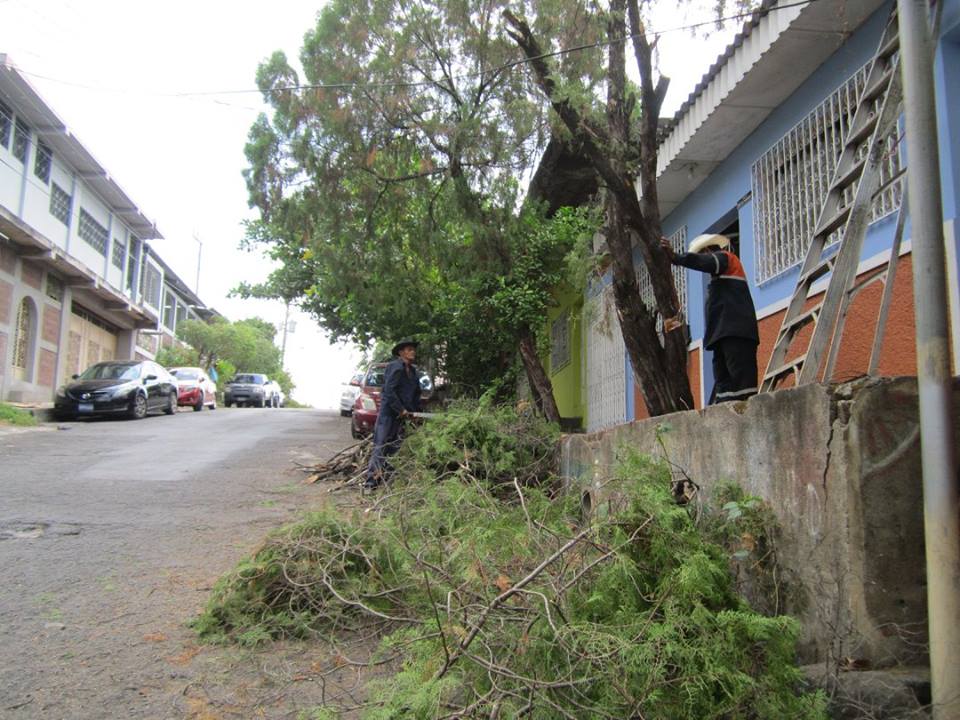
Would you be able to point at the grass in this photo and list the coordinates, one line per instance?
(10, 415)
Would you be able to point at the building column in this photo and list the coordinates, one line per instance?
(63, 348)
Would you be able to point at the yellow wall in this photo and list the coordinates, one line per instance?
(566, 379)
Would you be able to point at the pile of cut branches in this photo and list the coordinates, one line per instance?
(496, 599)
(347, 467)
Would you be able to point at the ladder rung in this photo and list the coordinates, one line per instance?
(817, 272)
(802, 319)
(890, 47)
(858, 135)
(850, 176)
(836, 221)
(878, 88)
(787, 367)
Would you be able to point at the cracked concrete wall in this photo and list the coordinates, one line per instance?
(840, 467)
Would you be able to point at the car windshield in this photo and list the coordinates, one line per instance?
(111, 371)
(375, 377)
(181, 374)
(249, 379)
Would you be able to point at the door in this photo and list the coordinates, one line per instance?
(89, 341)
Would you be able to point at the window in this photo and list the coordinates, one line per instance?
(6, 125)
(93, 233)
(133, 260)
(119, 253)
(61, 204)
(560, 342)
(152, 285)
(22, 339)
(43, 162)
(169, 310)
(54, 288)
(678, 241)
(21, 140)
(790, 180)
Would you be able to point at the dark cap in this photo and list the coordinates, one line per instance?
(406, 342)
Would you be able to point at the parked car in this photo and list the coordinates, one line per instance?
(349, 394)
(367, 405)
(248, 389)
(195, 388)
(127, 387)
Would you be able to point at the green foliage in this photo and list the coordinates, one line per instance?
(178, 356)
(15, 416)
(492, 594)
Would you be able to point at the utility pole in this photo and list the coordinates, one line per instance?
(286, 324)
(941, 502)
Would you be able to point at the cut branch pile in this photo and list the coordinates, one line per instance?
(498, 599)
(347, 467)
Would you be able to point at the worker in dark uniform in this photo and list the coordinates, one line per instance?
(400, 397)
(731, 332)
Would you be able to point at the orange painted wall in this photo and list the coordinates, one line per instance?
(898, 355)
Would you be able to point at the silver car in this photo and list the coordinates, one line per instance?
(349, 395)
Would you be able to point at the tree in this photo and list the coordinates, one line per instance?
(394, 176)
(242, 346)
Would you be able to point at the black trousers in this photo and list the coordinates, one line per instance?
(734, 369)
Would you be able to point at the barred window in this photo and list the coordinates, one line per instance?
(790, 181)
(54, 288)
(119, 253)
(133, 261)
(61, 204)
(152, 285)
(93, 233)
(21, 140)
(43, 162)
(560, 342)
(678, 241)
(169, 310)
(6, 124)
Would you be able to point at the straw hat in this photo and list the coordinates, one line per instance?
(701, 242)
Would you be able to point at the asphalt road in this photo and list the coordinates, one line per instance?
(112, 533)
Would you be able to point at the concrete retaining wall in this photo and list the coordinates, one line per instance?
(840, 467)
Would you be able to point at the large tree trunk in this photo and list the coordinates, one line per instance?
(661, 369)
(540, 384)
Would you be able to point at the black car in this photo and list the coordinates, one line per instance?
(127, 387)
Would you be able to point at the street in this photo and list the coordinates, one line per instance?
(112, 533)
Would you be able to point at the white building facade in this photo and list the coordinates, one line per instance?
(79, 282)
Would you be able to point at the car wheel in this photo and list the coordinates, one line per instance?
(213, 405)
(171, 407)
(354, 432)
(260, 403)
(345, 413)
(199, 404)
(138, 408)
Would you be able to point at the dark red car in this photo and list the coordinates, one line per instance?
(367, 405)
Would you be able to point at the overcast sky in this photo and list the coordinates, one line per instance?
(118, 73)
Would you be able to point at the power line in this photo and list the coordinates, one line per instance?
(424, 83)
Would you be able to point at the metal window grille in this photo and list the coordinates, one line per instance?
(21, 140)
(790, 181)
(43, 163)
(119, 254)
(21, 341)
(152, 286)
(6, 125)
(560, 342)
(679, 243)
(92, 232)
(61, 204)
(54, 288)
(605, 364)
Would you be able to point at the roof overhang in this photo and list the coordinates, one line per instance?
(781, 45)
(38, 249)
(54, 132)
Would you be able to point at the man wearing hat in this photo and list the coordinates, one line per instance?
(400, 397)
(731, 332)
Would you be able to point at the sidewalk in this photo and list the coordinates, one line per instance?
(43, 412)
